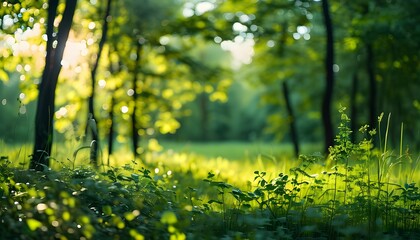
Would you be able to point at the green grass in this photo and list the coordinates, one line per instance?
(232, 150)
(214, 191)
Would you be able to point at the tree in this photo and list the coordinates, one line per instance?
(134, 121)
(91, 109)
(46, 97)
(329, 79)
(285, 87)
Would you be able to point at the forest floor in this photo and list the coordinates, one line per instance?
(212, 191)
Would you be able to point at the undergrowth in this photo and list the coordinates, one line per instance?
(359, 193)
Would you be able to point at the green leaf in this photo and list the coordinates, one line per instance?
(214, 201)
(135, 177)
(168, 217)
(107, 210)
(33, 224)
(4, 76)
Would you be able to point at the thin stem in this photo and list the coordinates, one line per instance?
(401, 138)
(386, 132)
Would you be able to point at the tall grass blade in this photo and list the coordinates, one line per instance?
(386, 133)
(401, 138)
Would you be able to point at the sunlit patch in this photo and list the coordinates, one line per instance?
(154, 145)
(90, 41)
(156, 170)
(27, 67)
(203, 7)
(244, 18)
(187, 12)
(91, 25)
(7, 21)
(124, 109)
(302, 32)
(270, 43)
(217, 39)
(167, 93)
(73, 53)
(191, 9)
(62, 112)
(242, 50)
(150, 131)
(219, 96)
(164, 40)
(102, 83)
(19, 68)
(18, 206)
(41, 207)
(302, 29)
(239, 27)
(130, 92)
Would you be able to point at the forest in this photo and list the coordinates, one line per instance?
(217, 119)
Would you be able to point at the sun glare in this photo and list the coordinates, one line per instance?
(73, 53)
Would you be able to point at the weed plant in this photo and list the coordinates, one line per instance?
(359, 192)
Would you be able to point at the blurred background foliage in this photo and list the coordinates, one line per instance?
(193, 70)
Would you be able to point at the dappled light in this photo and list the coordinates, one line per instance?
(207, 119)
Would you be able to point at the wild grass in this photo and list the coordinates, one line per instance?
(359, 192)
(241, 151)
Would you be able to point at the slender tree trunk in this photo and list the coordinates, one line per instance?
(204, 116)
(329, 85)
(292, 122)
(134, 121)
(91, 105)
(292, 119)
(113, 69)
(46, 95)
(353, 107)
(372, 85)
(111, 128)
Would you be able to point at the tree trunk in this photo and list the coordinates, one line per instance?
(91, 105)
(204, 116)
(134, 121)
(353, 107)
(292, 119)
(113, 69)
(111, 129)
(46, 94)
(372, 85)
(329, 85)
(292, 122)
